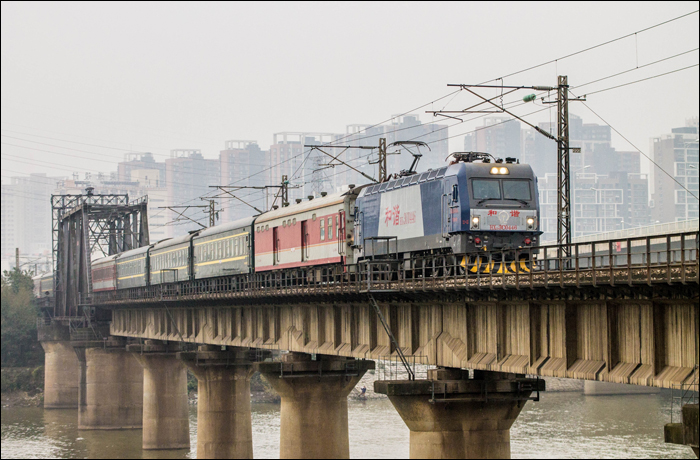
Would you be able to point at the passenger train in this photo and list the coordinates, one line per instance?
(472, 205)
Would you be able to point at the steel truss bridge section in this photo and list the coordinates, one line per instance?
(86, 224)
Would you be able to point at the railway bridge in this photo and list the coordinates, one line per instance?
(618, 310)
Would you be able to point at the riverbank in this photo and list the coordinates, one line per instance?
(22, 386)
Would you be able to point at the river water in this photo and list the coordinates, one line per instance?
(560, 425)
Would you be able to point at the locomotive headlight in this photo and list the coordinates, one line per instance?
(503, 170)
(475, 222)
(494, 170)
(530, 222)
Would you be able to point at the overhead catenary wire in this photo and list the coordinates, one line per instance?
(514, 73)
(640, 151)
(643, 79)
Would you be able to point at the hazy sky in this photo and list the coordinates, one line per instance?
(160, 76)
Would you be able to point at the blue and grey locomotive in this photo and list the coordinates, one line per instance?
(473, 205)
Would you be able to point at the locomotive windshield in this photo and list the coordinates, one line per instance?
(486, 189)
(516, 189)
(506, 189)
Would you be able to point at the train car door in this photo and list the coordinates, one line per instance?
(304, 240)
(450, 214)
(275, 247)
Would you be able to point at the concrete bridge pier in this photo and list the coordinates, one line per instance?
(224, 426)
(452, 416)
(61, 368)
(314, 408)
(111, 386)
(166, 423)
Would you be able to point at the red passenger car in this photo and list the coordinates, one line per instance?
(104, 274)
(315, 232)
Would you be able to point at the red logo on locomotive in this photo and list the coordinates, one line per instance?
(393, 215)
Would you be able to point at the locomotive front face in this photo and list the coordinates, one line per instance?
(503, 206)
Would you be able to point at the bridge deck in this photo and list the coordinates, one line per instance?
(649, 261)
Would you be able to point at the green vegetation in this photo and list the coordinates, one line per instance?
(29, 379)
(20, 347)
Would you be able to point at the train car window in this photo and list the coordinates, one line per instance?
(423, 177)
(383, 186)
(330, 228)
(323, 237)
(267, 227)
(432, 174)
(455, 194)
(517, 189)
(441, 173)
(414, 178)
(483, 189)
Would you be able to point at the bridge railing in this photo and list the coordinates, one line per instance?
(645, 260)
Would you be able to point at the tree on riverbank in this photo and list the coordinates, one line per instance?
(20, 347)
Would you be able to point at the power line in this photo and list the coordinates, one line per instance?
(638, 150)
(596, 46)
(635, 68)
(643, 79)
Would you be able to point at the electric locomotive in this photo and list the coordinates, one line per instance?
(472, 206)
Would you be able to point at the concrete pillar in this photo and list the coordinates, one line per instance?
(61, 367)
(224, 427)
(61, 376)
(111, 388)
(166, 423)
(314, 406)
(456, 417)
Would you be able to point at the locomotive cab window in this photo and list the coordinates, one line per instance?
(517, 189)
(484, 189)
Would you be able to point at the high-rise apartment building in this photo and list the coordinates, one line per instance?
(141, 161)
(677, 154)
(26, 214)
(407, 128)
(304, 167)
(243, 164)
(600, 203)
(188, 176)
(499, 136)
